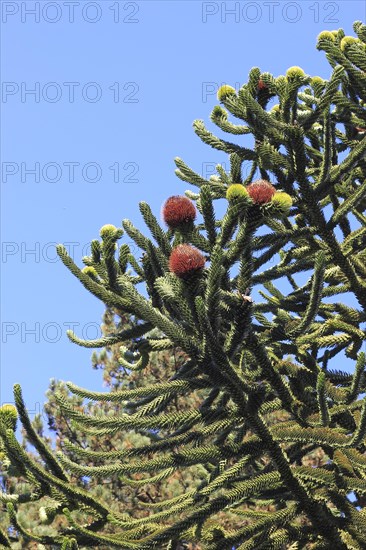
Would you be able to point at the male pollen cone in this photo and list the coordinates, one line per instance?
(261, 191)
(186, 260)
(178, 210)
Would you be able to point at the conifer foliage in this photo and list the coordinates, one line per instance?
(300, 225)
(114, 490)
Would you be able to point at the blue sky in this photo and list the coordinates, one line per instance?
(116, 87)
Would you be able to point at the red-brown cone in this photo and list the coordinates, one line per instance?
(178, 211)
(186, 260)
(261, 191)
(261, 84)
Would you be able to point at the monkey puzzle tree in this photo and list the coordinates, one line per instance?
(249, 363)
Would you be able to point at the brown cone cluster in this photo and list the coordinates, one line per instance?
(261, 191)
(186, 260)
(178, 211)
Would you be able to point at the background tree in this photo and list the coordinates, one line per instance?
(244, 361)
(160, 367)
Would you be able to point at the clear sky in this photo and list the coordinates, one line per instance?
(97, 100)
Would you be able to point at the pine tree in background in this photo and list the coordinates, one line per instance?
(264, 379)
(160, 367)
